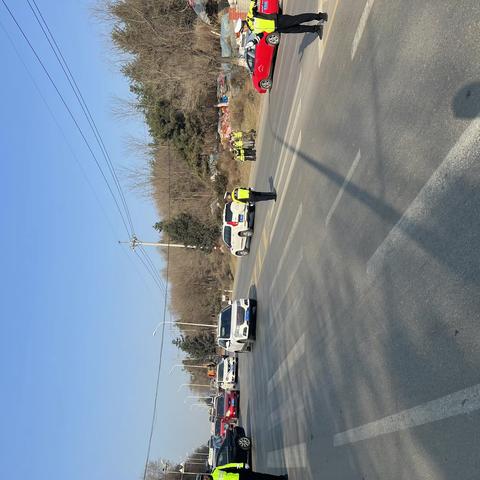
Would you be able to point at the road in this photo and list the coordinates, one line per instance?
(366, 269)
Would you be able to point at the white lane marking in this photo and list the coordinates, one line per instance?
(458, 403)
(295, 354)
(281, 415)
(283, 193)
(361, 26)
(286, 249)
(322, 44)
(342, 189)
(285, 152)
(293, 103)
(459, 159)
(290, 279)
(294, 456)
(290, 313)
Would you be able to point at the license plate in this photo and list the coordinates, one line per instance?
(240, 218)
(264, 6)
(247, 315)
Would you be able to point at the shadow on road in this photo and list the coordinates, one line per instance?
(307, 40)
(466, 103)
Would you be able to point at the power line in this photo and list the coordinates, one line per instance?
(153, 273)
(81, 100)
(148, 264)
(70, 113)
(152, 265)
(71, 149)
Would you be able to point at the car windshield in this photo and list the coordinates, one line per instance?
(220, 406)
(225, 322)
(228, 215)
(227, 236)
(220, 370)
(240, 315)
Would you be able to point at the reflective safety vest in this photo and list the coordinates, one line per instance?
(240, 155)
(249, 19)
(261, 25)
(238, 143)
(219, 474)
(237, 135)
(241, 195)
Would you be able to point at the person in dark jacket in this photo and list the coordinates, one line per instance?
(261, 23)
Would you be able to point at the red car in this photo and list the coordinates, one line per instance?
(260, 58)
(231, 405)
(226, 411)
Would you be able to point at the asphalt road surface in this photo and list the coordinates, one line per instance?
(367, 268)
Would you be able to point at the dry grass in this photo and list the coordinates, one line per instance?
(245, 102)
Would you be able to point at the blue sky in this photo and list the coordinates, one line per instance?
(77, 357)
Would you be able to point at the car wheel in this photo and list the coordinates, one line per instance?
(246, 233)
(266, 83)
(273, 38)
(241, 253)
(244, 443)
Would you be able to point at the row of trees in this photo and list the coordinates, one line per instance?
(171, 60)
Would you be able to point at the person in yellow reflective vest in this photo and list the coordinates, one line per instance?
(248, 195)
(239, 154)
(260, 23)
(239, 471)
(242, 140)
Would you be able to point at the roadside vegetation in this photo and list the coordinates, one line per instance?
(172, 61)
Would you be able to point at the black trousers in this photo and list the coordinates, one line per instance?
(293, 23)
(262, 197)
(249, 475)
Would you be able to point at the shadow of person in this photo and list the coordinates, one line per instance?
(252, 292)
(307, 40)
(466, 103)
(271, 184)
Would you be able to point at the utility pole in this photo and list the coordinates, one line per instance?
(187, 365)
(209, 325)
(209, 385)
(135, 242)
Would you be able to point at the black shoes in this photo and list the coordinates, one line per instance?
(319, 31)
(323, 16)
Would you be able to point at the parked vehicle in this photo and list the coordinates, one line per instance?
(232, 400)
(237, 325)
(227, 374)
(225, 412)
(260, 54)
(237, 227)
(235, 448)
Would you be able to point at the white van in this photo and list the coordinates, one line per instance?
(236, 325)
(227, 374)
(237, 229)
